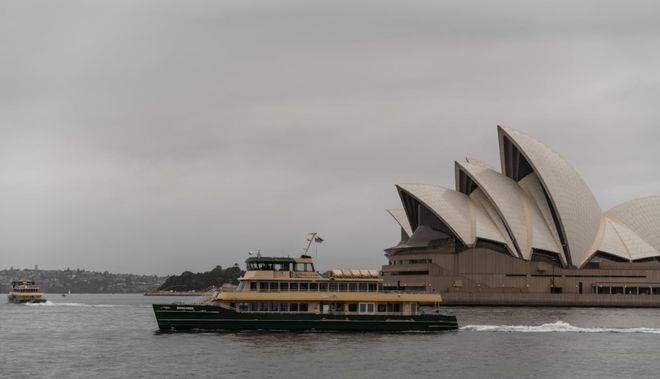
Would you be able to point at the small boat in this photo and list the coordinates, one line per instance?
(25, 291)
(283, 293)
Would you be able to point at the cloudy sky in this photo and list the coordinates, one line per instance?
(160, 136)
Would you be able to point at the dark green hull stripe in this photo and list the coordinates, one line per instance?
(215, 318)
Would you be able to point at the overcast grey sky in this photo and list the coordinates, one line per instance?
(160, 136)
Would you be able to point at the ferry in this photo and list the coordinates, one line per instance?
(284, 293)
(25, 292)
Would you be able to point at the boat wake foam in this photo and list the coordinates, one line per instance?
(49, 303)
(555, 327)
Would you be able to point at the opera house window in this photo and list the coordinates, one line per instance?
(627, 290)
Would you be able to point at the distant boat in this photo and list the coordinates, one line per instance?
(25, 291)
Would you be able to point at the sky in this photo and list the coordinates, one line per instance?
(163, 136)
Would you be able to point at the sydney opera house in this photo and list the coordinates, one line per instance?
(527, 233)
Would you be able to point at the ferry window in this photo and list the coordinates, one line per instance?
(382, 308)
(284, 286)
(617, 290)
(352, 307)
(413, 308)
(324, 287)
(631, 290)
(293, 287)
(370, 307)
(342, 286)
(303, 267)
(353, 287)
(333, 287)
(644, 290)
(274, 307)
(304, 286)
(263, 286)
(656, 290)
(303, 307)
(293, 307)
(263, 307)
(394, 307)
(313, 286)
(284, 307)
(243, 307)
(372, 287)
(364, 287)
(273, 286)
(254, 307)
(603, 290)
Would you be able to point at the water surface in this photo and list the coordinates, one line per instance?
(116, 336)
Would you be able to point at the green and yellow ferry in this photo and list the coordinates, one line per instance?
(283, 293)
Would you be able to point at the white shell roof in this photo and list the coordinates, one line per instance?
(499, 207)
(508, 200)
(531, 185)
(522, 216)
(611, 242)
(642, 216)
(577, 210)
(452, 207)
(489, 224)
(465, 216)
(542, 237)
(401, 218)
(637, 247)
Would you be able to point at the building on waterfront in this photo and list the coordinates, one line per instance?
(529, 229)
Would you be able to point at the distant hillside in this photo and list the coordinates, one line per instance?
(81, 281)
(201, 281)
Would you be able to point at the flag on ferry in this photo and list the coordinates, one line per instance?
(318, 239)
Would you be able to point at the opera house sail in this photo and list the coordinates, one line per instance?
(527, 233)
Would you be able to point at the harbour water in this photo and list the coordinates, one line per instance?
(116, 336)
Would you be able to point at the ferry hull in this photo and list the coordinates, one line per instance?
(15, 300)
(207, 317)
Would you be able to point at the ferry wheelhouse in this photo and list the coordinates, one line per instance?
(283, 293)
(25, 292)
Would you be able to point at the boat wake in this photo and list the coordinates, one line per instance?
(49, 303)
(555, 327)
